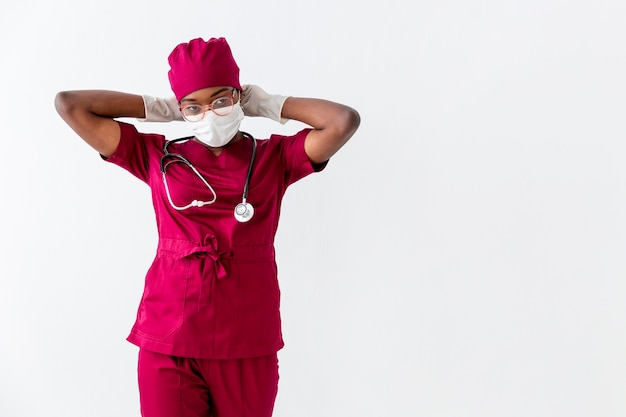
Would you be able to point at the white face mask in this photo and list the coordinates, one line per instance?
(217, 131)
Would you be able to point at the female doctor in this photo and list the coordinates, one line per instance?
(208, 324)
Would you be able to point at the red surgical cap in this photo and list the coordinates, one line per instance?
(198, 64)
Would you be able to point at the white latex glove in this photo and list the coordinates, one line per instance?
(256, 102)
(161, 109)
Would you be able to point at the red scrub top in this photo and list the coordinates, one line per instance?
(212, 290)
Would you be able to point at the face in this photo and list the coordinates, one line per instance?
(219, 100)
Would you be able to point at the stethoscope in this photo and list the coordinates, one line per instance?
(243, 211)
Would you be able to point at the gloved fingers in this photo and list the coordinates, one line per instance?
(257, 102)
(160, 109)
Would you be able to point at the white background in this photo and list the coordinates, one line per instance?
(463, 255)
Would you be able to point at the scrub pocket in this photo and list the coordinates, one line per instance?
(162, 306)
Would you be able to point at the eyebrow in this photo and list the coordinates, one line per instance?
(212, 95)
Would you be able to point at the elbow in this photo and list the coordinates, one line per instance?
(63, 103)
(69, 106)
(354, 120)
(350, 122)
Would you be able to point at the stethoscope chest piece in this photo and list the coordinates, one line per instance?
(244, 212)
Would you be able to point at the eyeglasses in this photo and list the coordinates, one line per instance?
(221, 106)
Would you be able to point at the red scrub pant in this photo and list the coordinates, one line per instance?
(171, 386)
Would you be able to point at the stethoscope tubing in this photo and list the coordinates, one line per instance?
(243, 211)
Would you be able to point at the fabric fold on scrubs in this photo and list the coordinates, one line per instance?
(212, 290)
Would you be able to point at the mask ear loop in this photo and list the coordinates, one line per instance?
(240, 103)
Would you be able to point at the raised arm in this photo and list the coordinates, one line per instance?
(91, 113)
(333, 123)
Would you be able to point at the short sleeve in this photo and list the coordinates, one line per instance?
(135, 151)
(297, 163)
